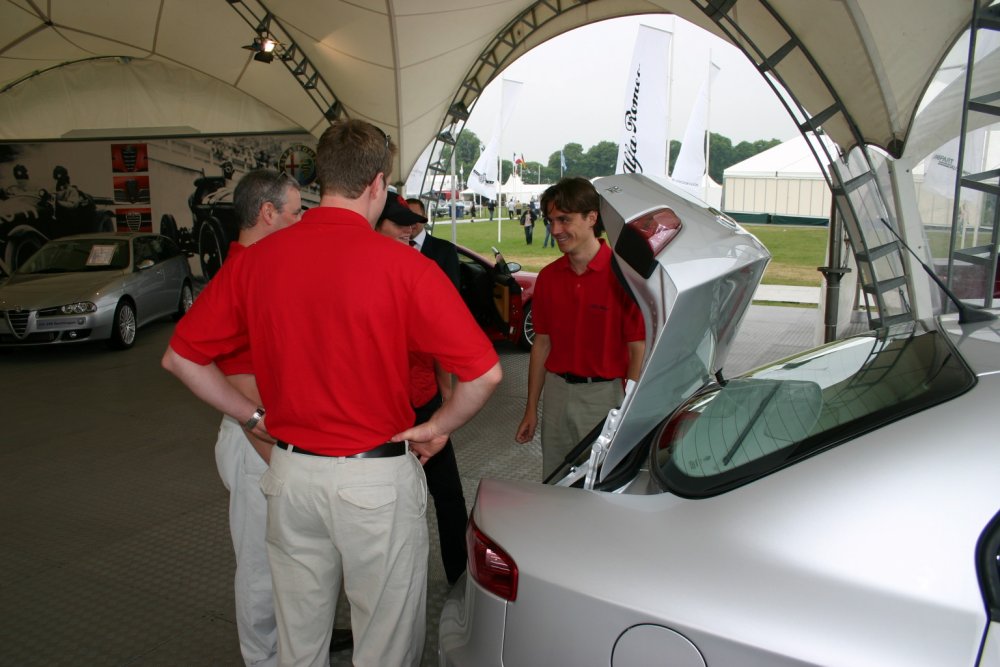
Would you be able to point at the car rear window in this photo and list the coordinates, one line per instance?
(727, 436)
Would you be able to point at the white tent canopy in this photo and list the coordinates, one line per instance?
(179, 66)
(783, 180)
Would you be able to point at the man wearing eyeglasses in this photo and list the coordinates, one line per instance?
(330, 336)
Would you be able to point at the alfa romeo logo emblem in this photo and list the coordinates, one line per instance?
(299, 162)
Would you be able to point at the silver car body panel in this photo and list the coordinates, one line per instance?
(863, 555)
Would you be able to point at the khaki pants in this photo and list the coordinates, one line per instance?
(240, 468)
(569, 412)
(360, 521)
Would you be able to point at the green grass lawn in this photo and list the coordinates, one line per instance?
(795, 251)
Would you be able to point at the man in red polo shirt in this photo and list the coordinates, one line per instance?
(324, 307)
(264, 202)
(589, 333)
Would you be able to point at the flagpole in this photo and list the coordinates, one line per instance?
(499, 193)
(708, 127)
(454, 200)
(670, 91)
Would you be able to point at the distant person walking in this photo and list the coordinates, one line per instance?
(491, 206)
(528, 218)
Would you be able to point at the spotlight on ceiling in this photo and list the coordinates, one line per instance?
(263, 48)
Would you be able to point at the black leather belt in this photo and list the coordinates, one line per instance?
(386, 449)
(582, 379)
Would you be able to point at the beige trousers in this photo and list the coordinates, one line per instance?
(569, 411)
(357, 521)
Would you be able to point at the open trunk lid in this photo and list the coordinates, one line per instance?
(693, 272)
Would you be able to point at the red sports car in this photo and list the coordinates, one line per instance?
(499, 295)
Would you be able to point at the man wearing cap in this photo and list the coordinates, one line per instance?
(589, 333)
(319, 305)
(430, 386)
(441, 251)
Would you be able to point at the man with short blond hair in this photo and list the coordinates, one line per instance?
(318, 304)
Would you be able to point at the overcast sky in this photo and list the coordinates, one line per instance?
(574, 88)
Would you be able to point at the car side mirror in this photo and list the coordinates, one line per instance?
(513, 267)
(144, 264)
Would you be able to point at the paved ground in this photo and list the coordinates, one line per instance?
(115, 546)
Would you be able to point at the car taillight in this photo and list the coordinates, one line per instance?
(489, 565)
(658, 228)
(643, 238)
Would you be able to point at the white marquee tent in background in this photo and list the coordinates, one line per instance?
(782, 184)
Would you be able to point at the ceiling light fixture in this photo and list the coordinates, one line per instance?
(263, 47)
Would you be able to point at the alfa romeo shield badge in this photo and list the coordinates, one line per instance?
(299, 162)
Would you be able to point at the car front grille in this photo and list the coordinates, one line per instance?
(17, 320)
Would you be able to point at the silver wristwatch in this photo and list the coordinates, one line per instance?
(255, 418)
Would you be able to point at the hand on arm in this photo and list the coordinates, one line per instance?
(536, 380)
(247, 385)
(428, 438)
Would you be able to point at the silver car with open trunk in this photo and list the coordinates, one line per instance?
(839, 507)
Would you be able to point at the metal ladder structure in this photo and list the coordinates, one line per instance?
(972, 260)
(863, 209)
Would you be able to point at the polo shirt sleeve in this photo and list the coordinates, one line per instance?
(215, 325)
(443, 327)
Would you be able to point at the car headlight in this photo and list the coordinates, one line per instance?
(78, 308)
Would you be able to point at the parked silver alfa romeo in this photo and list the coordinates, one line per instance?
(94, 287)
(839, 507)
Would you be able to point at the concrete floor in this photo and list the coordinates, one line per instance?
(115, 546)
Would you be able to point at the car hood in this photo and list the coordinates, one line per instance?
(32, 292)
(693, 292)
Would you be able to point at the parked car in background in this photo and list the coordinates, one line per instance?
(94, 287)
(839, 507)
(499, 296)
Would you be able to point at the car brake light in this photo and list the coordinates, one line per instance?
(645, 237)
(489, 565)
(658, 228)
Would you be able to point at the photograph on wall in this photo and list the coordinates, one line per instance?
(179, 187)
(129, 158)
(131, 189)
(133, 220)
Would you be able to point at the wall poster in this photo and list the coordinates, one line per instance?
(179, 187)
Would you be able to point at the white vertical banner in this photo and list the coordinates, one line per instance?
(415, 181)
(690, 166)
(485, 176)
(642, 148)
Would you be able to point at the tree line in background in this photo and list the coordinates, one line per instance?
(598, 160)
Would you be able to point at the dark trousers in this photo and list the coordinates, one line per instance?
(528, 230)
(445, 486)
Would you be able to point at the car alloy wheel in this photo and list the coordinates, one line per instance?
(124, 325)
(528, 328)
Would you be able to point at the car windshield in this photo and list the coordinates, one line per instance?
(752, 426)
(76, 255)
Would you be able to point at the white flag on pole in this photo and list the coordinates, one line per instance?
(415, 181)
(690, 165)
(643, 145)
(483, 178)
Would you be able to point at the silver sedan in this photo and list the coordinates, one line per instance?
(94, 287)
(840, 507)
